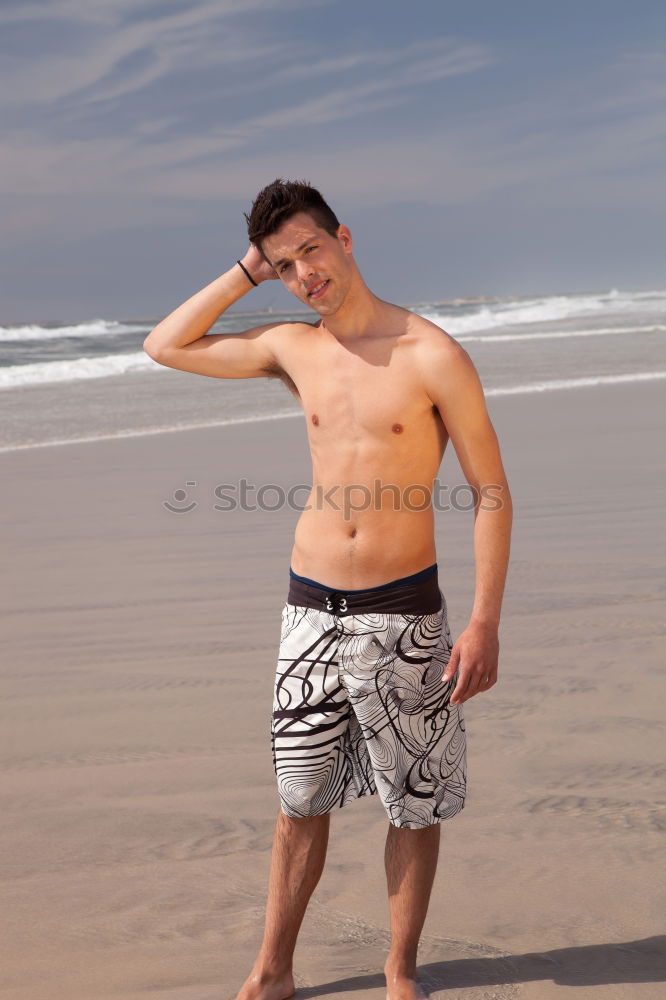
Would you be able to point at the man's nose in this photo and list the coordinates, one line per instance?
(303, 269)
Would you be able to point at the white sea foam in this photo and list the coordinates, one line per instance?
(549, 385)
(149, 431)
(75, 369)
(488, 314)
(95, 328)
(43, 372)
(543, 309)
(543, 386)
(498, 338)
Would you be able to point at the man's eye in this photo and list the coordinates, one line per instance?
(284, 268)
(314, 247)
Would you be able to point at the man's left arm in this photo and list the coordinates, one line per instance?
(454, 386)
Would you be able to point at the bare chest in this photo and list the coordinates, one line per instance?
(363, 393)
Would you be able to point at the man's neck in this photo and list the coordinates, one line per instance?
(359, 315)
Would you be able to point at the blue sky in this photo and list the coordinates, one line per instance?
(472, 148)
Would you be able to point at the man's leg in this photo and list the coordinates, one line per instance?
(411, 863)
(299, 852)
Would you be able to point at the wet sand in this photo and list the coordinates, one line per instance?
(136, 783)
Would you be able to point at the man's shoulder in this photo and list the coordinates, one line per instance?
(283, 332)
(428, 338)
(441, 361)
(286, 326)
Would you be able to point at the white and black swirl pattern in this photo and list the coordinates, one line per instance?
(360, 709)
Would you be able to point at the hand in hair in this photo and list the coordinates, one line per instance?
(258, 266)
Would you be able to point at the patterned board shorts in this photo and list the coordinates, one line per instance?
(359, 704)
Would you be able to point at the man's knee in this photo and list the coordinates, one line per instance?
(303, 821)
(306, 799)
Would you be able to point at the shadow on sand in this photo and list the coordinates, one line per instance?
(589, 965)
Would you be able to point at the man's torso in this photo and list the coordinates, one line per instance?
(376, 442)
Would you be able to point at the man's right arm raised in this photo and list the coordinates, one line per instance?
(180, 340)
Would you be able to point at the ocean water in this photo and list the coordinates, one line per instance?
(62, 383)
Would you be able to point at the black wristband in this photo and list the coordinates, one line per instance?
(248, 275)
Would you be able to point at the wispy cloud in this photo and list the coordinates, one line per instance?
(196, 138)
(124, 121)
(110, 13)
(156, 144)
(550, 139)
(125, 55)
(381, 91)
(434, 55)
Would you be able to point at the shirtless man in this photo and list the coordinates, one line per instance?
(369, 687)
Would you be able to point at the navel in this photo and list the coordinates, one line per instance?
(397, 428)
(315, 420)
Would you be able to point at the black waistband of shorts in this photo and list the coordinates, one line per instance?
(418, 594)
(423, 574)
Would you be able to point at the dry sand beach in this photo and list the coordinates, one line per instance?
(137, 791)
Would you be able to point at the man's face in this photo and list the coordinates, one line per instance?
(315, 266)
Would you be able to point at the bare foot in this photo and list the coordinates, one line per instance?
(403, 987)
(262, 986)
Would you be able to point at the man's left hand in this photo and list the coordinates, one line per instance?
(476, 653)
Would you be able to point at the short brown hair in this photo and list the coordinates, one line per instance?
(277, 202)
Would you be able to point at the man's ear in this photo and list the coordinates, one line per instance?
(345, 237)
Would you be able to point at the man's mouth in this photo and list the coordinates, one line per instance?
(318, 289)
